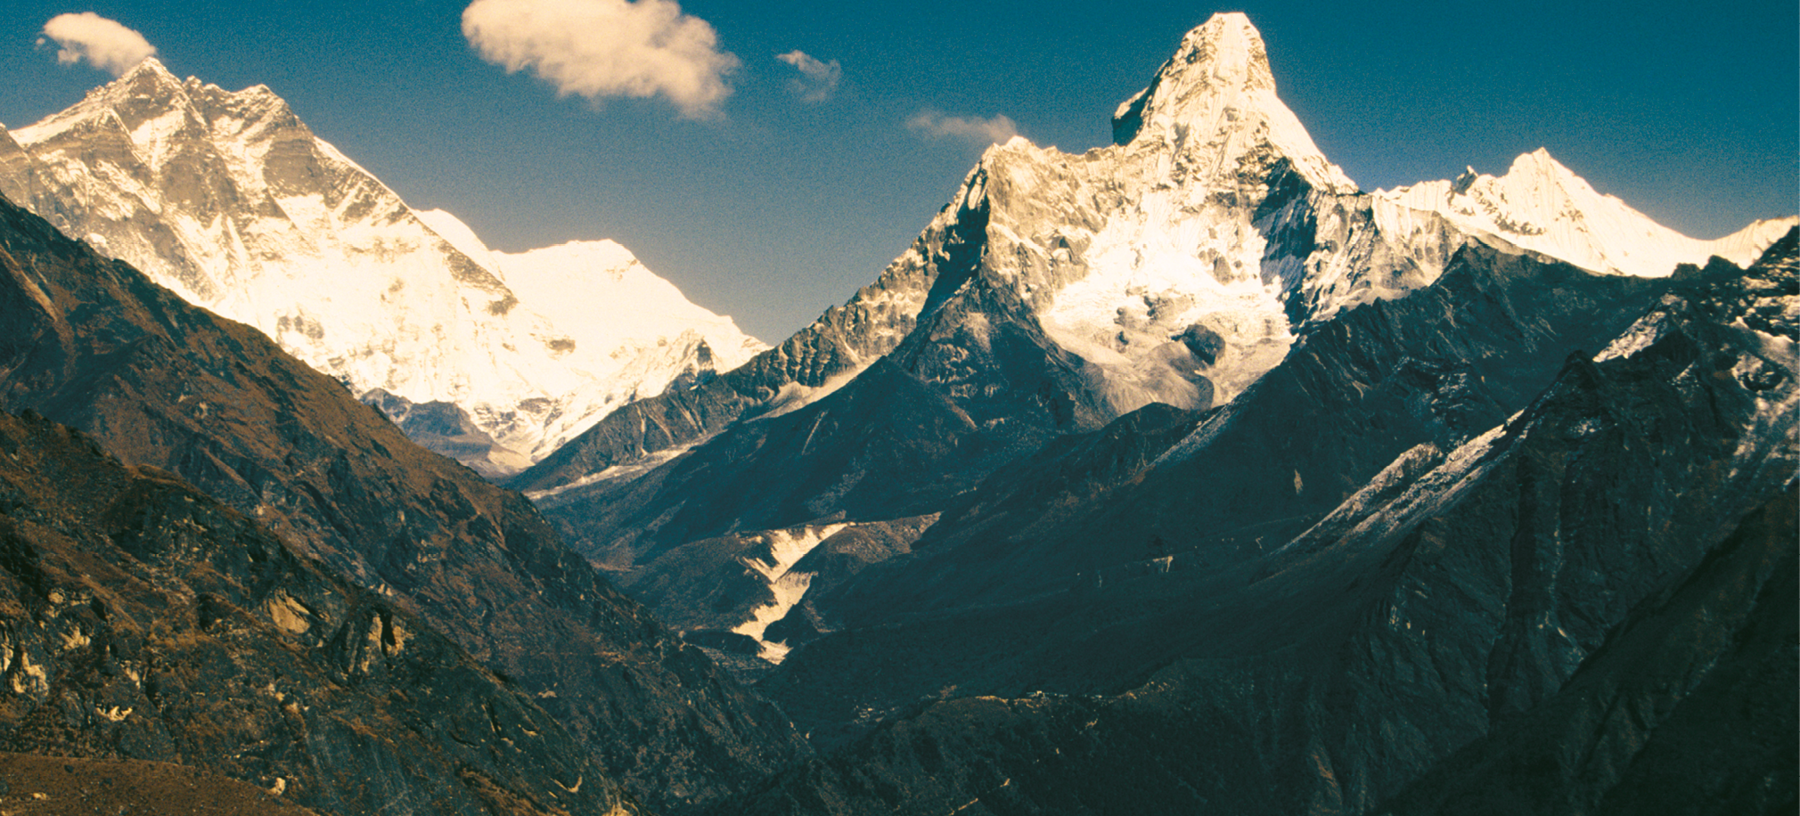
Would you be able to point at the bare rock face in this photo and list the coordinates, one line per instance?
(93, 344)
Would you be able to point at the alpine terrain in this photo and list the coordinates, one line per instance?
(231, 201)
(1177, 476)
(1114, 491)
(227, 542)
(1057, 293)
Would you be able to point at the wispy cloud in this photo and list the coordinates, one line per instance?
(975, 130)
(817, 80)
(102, 43)
(606, 48)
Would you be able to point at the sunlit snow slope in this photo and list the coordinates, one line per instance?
(230, 200)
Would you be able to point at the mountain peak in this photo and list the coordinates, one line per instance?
(1222, 56)
(1541, 205)
(1539, 164)
(145, 92)
(1225, 52)
(150, 66)
(148, 83)
(1218, 93)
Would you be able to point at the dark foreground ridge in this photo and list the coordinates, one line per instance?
(93, 344)
(70, 786)
(145, 620)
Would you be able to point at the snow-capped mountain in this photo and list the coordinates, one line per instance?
(1539, 206)
(1174, 266)
(1542, 206)
(230, 200)
(1058, 292)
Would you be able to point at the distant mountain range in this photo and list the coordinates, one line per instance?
(1177, 476)
(230, 200)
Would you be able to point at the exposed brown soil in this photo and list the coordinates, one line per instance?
(107, 787)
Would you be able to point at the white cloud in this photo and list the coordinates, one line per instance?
(981, 132)
(817, 80)
(102, 43)
(606, 48)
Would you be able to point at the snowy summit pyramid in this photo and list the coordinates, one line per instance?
(1215, 100)
(228, 199)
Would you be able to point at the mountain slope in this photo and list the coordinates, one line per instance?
(145, 620)
(230, 200)
(94, 344)
(1437, 365)
(971, 603)
(1714, 663)
(1705, 665)
(1537, 620)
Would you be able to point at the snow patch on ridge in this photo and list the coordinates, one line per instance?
(1639, 336)
(794, 396)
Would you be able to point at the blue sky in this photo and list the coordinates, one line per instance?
(779, 195)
